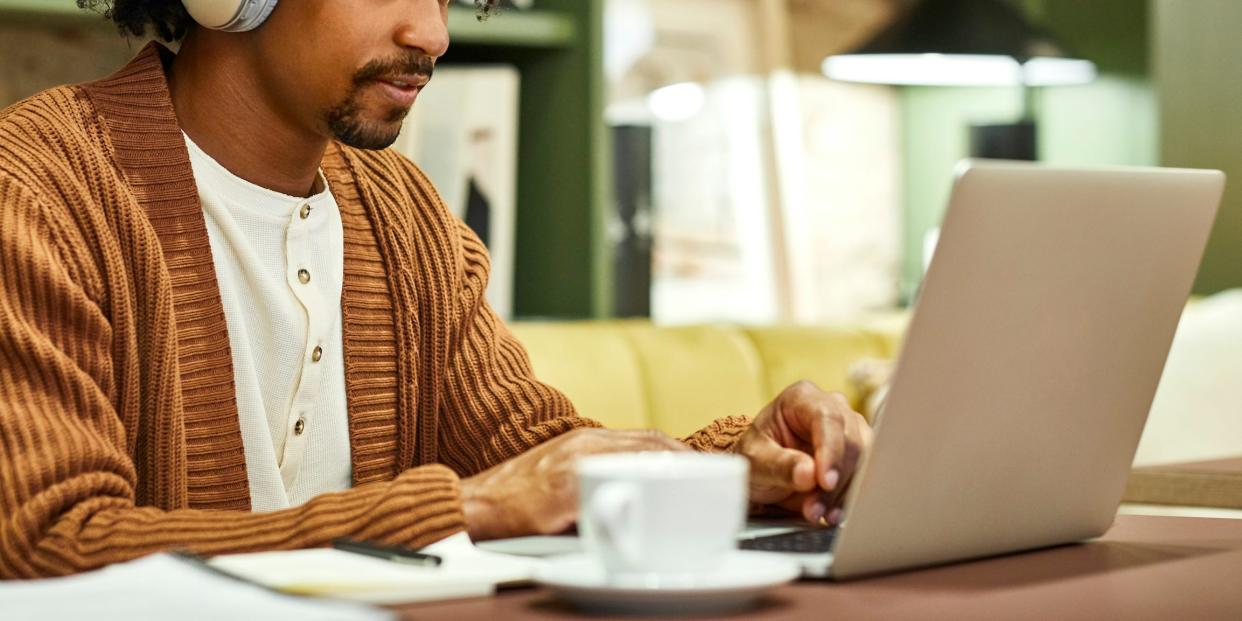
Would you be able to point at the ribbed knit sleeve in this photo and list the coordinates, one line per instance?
(719, 436)
(67, 472)
(495, 409)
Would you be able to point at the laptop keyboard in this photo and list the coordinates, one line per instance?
(812, 541)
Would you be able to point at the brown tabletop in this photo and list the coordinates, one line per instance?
(1144, 568)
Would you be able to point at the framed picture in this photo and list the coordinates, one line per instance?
(463, 133)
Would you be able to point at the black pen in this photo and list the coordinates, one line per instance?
(396, 554)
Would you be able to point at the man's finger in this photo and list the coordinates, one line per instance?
(818, 416)
(781, 468)
(829, 437)
(853, 447)
(811, 506)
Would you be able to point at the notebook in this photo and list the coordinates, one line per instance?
(466, 572)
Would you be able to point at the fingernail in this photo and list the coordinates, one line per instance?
(834, 518)
(832, 478)
(817, 511)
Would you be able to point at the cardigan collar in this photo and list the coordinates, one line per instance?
(136, 108)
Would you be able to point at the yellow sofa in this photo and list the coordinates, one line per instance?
(632, 374)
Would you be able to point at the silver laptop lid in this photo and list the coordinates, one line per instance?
(1030, 363)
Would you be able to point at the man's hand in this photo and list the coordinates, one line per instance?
(536, 493)
(803, 449)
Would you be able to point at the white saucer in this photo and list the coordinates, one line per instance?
(736, 582)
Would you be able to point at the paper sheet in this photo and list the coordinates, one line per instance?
(164, 587)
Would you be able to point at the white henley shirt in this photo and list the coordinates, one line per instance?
(279, 262)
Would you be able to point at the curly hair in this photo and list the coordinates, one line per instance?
(168, 19)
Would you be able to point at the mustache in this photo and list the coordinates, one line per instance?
(412, 62)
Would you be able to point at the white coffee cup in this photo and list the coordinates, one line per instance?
(661, 512)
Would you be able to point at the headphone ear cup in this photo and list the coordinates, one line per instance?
(265, 11)
(230, 15)
(212, 13)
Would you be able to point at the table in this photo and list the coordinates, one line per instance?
(1145, 567)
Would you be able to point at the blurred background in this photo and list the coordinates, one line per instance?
(690, 160)
(770, 163)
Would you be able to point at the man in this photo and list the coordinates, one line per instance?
(231, 321)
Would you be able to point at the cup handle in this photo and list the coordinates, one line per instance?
(612, 509)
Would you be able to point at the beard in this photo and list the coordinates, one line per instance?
(346, 120)
(351, 129)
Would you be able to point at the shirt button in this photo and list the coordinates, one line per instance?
(303, 276)
(317, 354)
(299, 427)
(305, 212)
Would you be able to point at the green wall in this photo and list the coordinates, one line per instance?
(562, 265)
(1196, 61)
(1112, 121)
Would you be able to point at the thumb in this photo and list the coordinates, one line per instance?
(774, 466)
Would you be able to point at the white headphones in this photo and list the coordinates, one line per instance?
(230, 15)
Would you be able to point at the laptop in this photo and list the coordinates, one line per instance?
(1028, 368)
(1026, 374)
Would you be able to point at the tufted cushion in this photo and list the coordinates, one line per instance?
(696, 374)
(594, 364)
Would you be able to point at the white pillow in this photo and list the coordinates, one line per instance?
(1197, 413)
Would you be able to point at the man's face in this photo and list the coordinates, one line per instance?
(350, 69)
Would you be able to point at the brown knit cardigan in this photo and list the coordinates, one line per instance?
(119, 433)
